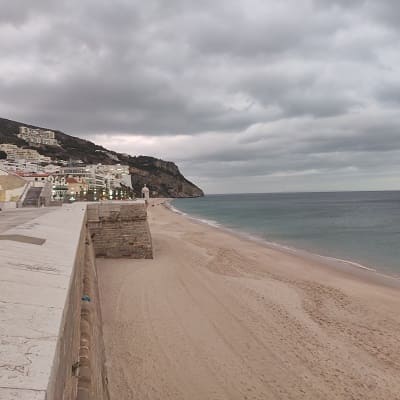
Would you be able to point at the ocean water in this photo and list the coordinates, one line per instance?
(362, 227)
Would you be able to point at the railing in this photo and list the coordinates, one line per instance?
(45, 195)
(23, 195)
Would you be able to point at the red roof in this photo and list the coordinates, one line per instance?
(32, 174)
(72, 180)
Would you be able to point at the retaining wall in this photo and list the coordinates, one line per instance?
(78, 370)
(51, 341)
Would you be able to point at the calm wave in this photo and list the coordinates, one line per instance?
(363, 227)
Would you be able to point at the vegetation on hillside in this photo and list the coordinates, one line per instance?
(162, 177)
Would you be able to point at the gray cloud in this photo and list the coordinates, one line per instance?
(390, 93)
(18, 12)
(287, 93)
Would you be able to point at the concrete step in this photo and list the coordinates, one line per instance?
(32, 197)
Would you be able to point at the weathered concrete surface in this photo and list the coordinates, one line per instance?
(23, 239)
(17, 394)
(34, 283)
(51, 341)
(12, 218)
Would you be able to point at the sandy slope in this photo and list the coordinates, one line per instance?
(216, 317)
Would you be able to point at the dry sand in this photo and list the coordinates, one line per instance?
(214, 316)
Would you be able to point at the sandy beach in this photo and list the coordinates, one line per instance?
(215, 316)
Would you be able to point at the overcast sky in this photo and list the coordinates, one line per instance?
(244, 95)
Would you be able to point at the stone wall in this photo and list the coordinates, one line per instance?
(110, 230)
(120, 230)
(92, 381)
(79, 365)
(64, 382)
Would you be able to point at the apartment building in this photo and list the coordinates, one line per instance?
(17, 153)
(94, 180)
(114, 175)
(38, 136)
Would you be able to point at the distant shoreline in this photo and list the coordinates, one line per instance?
(215, 314)
(347, 266)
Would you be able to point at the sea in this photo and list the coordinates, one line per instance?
(359, 227)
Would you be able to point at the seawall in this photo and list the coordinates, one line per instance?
(51, 340)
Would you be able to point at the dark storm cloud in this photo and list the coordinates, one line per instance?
(251, 88)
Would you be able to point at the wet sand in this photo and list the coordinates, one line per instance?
(215, 316)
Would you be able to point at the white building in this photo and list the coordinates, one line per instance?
(38, 178)
(94, 180)
(17, 153)
(52, 169)
(114, 174)
(9, 149)
(115, 169)
(37, 136)
(20, 165)
(126, 180)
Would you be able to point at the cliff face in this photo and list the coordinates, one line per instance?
(162, 177)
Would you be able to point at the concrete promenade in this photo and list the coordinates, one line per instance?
(14, 217)
(34, 282)
(51, 340)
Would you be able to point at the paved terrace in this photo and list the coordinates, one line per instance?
(46, 264)
(36, 262)
(12, 218)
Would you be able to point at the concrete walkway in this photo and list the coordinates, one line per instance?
(36, 264)
(12, 218)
